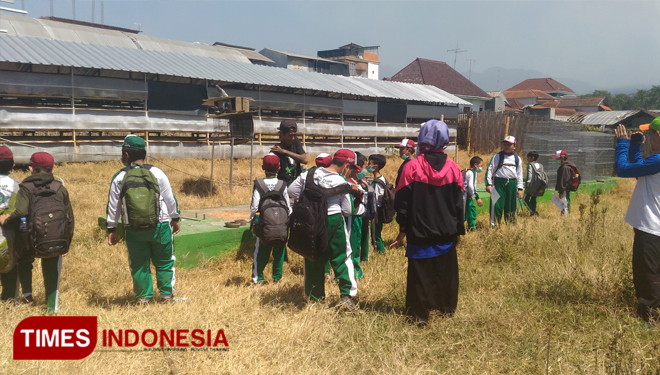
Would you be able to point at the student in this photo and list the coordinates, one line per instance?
(356, 174)
(290, 151)
(564, 176)
(41, 169)
(338, 251)
(470, 185)
(429, 206)
(407, 153)
(376, 164)
(262, 251)
(148, 237)
(8, 192)
(643, 212)
(530, 201)
(505, 174)
(366, 187)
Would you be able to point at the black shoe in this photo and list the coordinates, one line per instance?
(347, 303)
(28, 300)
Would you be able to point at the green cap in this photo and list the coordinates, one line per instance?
(654, 125)
(133, 141)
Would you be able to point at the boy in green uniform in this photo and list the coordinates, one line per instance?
(41, 169)
(504, 182)
(262, 252)
(153, 243)
(376, 164)
(470, 185)
(357, 173)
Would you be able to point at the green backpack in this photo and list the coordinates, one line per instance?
(141, 196)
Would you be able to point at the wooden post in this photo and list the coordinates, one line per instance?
(251, 157)
(469, 134)
(75, 145)
(146, 139)
(231, 166)
(506, 126)
(212, 159)
(260, 140)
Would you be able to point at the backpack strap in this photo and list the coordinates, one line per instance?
(337, 190)
(261, 187)
(379, 182)
(310, 177)
(279, 187)
(500, 162)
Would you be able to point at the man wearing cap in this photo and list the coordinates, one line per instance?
(155, 243)
(262, 252)
(41, 169)
(338, 251)
(430, 213)
(290, 150)
(564, 176)
(407, 153)
(643, 212)
(505, 174)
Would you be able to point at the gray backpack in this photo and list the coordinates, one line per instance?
(273, 226)
(538, 181)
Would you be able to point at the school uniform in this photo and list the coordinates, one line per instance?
(338, 251)
(355, 225)
(10, 280)
(379, 191)
(529, 200)
(470, 186)
(506, 181)
(644, 216)
(154, 244)
(364, 231)
(262, 252)
(564, 174)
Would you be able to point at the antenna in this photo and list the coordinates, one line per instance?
(456, 51)
(139, 25)
(470, 74)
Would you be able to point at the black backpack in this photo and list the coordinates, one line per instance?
(49, 224)
(370, 206)
(309, 220)
(386, 212)
(272, 228)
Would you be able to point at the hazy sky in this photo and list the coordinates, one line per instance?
(606, 44)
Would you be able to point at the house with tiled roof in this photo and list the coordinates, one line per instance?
(547, 85)
(528, 97)
(444, 77)
(593, 104)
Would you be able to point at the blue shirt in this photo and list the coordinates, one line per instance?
(630, 163)
(427, 251)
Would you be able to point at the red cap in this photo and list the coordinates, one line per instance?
(406, 143)
(559, 154)
(271, 162)
(323, 160)
(5, 153)
(42, 159)
(347, 156)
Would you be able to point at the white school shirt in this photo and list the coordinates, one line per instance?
(256, 196)
(326, 179)
(508, 170)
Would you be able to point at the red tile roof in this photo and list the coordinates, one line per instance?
(564, 112)
(543, 84)
(548, 104)
(514, 105)
(519, 94)
(440, 75)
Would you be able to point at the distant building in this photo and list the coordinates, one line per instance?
(547, 85)
(594, 104)
(444, 77)
(611, 119)
(528, 97)
(288, 60)
(362, 61)
(252, 55)
(497, 103)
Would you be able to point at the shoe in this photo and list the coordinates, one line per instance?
(143, 301)
(347, 303)
(28, 300)
(166, 298)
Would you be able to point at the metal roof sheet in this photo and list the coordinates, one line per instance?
(607, 117)
(44, 51)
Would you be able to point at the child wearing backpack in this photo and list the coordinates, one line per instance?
(504, 182)
(357, 173)
(141, 195)
(384, 195)
(470, 186)
(43, 203)
(568, 178)
(535, 182)
(318, 229)
(9, 254)
(269, 213)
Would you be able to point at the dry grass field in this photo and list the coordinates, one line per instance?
(548, 295)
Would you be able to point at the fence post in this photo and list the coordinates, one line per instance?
(506, 126)
(468, 134)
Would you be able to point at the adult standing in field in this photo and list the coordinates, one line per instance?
(290, 150)
(567, 176)
(407, 153)
(503, 177)
(643, 212)
(142, 197)
(430, 213)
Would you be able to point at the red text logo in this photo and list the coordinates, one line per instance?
(55, 337)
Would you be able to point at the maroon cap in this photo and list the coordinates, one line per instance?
(347, 156)
(560, 154)
(5, 153)
(271, 162)
(42, 159)
(323, 160)
(406, 143)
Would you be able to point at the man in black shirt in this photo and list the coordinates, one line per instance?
(407, 153)
(290, 151)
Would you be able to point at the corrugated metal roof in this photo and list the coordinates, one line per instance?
(607, 117)
(300, 55)
(176, 62)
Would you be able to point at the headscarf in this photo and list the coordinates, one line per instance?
(434, 136)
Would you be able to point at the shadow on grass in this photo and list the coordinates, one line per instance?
(246, 249)
(197, 187)
(382, 305)
(287, 295)
(107, 302)
(238, 281)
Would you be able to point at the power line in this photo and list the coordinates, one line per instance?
(456, 52)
